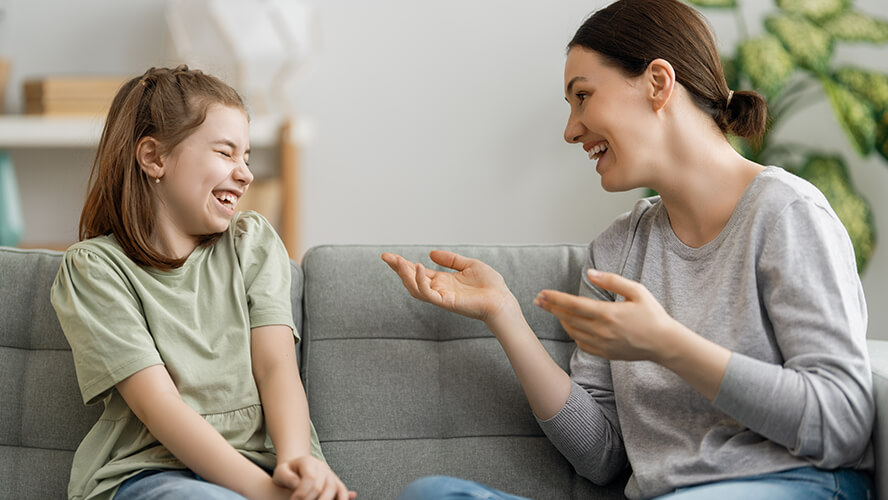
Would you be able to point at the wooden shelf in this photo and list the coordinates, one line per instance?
(33, 131)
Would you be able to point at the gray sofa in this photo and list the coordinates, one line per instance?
(398, 389)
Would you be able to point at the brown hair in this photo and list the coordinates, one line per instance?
(167, 104)
(632, 33)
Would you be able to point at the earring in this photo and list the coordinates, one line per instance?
(157, 180)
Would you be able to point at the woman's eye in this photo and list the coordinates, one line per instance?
(223, 153)
(581, 97)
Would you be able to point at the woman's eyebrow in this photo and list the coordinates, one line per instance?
(574, 80)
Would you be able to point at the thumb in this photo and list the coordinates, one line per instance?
(285, 476)
(450, 259)
(614, 283)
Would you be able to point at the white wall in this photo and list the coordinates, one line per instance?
(434, 122)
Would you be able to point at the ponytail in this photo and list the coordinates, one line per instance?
(745, 114)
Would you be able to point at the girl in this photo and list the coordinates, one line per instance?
(178, 313)
(720, 327)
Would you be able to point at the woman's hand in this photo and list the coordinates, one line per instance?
(475, 290)
(310, 479)
(635, 329)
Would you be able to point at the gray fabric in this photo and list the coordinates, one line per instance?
(779, 288)
(878, 351)
(42, 418)
(398, 388)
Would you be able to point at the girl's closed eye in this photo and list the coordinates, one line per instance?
(223, 153)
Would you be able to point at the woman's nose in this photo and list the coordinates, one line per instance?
(573, 130)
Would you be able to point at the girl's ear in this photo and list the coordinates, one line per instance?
(149, 158)
(661, 78)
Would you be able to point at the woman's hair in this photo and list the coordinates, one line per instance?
(167, 104)
(632, 33)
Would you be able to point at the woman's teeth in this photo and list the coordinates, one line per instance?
(598, 150)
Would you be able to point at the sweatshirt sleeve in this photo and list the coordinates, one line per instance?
(587, 429)
(818, 403)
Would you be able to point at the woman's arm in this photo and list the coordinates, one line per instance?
(286, 414)
(477, 291)
(637, 329)
(152, 396)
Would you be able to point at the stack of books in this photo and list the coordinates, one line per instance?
(71, 95)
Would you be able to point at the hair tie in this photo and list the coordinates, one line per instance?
(730, 96)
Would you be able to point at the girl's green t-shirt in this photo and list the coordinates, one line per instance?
(121, 317)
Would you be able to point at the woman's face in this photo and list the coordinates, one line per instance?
(205, 175)
(612, 118)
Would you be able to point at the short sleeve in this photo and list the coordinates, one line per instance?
(266, 269)
(102, 319)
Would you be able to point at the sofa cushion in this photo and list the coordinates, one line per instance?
(399, 389)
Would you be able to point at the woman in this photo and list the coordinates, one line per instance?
(720, 326)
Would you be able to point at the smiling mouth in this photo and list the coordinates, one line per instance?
(597, 151)
(227, 199)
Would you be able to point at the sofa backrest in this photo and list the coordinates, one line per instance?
(400, 389)
(42, 416)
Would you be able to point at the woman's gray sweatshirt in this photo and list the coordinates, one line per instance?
(779, 288)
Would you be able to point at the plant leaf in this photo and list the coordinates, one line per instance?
(714, 3)
(854, 26)
(870, 85)
(882, 134)
(855, 115)
(809, 45)
(767, 64)
(814, 9)
(830, 175)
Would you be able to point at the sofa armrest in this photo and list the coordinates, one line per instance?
(878, 352)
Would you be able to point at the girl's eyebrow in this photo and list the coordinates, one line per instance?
(229, 143)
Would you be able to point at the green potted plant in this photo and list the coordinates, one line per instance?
(790, 65)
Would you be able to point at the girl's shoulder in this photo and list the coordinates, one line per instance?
(101, 250)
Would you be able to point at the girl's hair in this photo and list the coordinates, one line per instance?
(632, 33)
(167, 104)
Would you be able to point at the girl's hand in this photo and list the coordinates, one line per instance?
(635, 329)
(475, 290)
(310, 479)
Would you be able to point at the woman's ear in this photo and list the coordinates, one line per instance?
(661, 77)
(149, 157)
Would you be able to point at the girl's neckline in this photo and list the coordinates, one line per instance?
(691, 253)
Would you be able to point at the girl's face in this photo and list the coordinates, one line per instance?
(204, 176)
(612, 117)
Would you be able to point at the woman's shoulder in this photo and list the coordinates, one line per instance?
(776, 189)
(609, 248)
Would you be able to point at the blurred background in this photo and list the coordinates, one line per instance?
(415, 122)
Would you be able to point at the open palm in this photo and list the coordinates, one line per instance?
(475, 290)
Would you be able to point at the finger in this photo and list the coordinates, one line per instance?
(450, 259)
(629, 289)
(285, 477)
(307, 488)
(341, 491)
(331, 490)
(424, 285)
(561, 304)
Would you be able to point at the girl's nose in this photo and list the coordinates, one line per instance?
(242, 174)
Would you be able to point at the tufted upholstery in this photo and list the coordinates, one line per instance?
(399, 389)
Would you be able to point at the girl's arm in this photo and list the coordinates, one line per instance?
(152, 396)
(286, 414)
